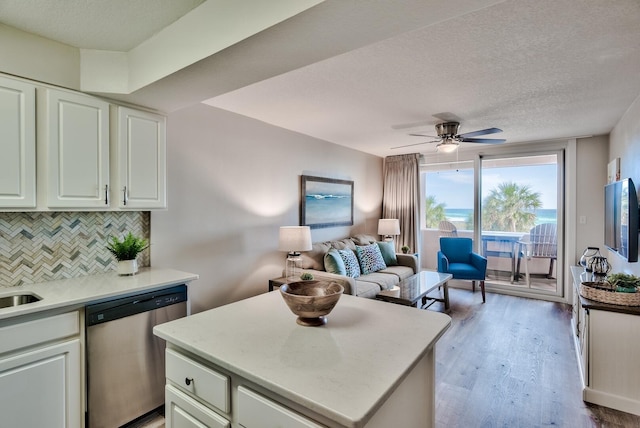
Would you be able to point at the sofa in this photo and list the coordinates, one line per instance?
(320, 262)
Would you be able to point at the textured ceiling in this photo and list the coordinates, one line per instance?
(365, 73)
(536, 69)
(115, 25)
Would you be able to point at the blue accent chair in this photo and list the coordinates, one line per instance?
(456, 257)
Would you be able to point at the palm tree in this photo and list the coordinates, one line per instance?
(510, 207)
(434, 212)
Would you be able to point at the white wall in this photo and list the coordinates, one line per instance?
(233, 182)
(591, 176)
(624, 143)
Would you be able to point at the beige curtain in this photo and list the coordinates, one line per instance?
(400, 197)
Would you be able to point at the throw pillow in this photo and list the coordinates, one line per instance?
(370, 258)
(350, 262)
(388, 250)
(333, 262)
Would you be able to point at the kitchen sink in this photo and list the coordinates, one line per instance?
(8, 300)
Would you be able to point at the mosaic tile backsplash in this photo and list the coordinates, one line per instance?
(44, 246)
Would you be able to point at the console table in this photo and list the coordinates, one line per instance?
(607, 346)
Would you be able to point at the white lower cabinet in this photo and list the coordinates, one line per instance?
(40, 385)
(182, 411)
(201, 396)
(256, 411)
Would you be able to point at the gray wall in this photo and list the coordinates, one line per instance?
(233, 182)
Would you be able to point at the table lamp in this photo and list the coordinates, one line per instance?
(388, 227)
(294, 239)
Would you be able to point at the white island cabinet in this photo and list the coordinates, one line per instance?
(248, 364)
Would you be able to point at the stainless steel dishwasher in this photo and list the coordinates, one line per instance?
(125, 361)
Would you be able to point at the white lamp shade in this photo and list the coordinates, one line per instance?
(294, 238)
(447, 146)
(388, 226)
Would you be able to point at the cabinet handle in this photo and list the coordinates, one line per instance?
(188, 380)
(125, 199)
(106, 194)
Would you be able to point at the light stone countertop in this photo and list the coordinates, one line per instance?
(77, 292)
(343, 370)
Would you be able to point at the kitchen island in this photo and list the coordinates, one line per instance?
(249, 364)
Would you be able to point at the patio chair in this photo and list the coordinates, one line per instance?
(447, 228)
(541, 243)
(456, 257)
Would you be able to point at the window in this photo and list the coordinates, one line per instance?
(448, 195)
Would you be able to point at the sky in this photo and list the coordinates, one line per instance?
(455, 188)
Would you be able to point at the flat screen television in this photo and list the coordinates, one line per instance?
(621, 219)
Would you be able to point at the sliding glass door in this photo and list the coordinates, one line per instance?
(510, 205)
(521, 205)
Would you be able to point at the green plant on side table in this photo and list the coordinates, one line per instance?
(623, 282)
(405, 249)
(125, 251)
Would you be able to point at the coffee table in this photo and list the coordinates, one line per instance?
(414, 290)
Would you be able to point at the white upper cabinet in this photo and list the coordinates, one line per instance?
(139, 160)
(77, 150)
(17, 144)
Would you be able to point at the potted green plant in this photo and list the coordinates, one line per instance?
(125, 251)
(405, 249)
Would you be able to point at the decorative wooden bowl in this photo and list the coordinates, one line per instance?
(311, 301)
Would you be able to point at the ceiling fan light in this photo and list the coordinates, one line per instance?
(447, 147)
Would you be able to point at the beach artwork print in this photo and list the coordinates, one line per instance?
(326, 202)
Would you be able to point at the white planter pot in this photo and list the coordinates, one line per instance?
(127, 267)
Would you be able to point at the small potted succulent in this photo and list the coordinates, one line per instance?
(306, 276)
(125, 251)
(405, 249)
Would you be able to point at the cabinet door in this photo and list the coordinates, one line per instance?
(77, 150)
(41, 388)
(141, 165)
(256, 411)
(181, 411)
(17, 145)
(583, 340)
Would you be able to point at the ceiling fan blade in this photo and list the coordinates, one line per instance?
(481, 140)
(480, 132)
(415, 144)
(423, 135)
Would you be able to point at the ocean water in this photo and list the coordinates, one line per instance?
(462, 214)
(327, 209)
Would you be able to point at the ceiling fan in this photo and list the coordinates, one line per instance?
(448, 138)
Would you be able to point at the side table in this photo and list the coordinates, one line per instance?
(277, 282)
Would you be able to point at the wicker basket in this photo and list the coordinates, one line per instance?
(587, 290)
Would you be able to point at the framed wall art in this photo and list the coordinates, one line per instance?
(326, 202)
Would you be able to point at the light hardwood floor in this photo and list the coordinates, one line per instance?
(511, 363)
